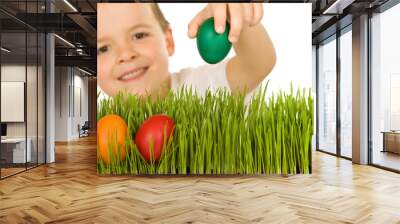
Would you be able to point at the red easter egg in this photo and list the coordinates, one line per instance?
(151, 134)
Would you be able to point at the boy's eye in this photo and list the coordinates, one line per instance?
(140, 35)
(102, 50)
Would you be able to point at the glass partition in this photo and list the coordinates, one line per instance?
(41, 109)
(346, 93)
(22, 77)
(32, 95)
(13, 99)
(385, 89)
(327, 96)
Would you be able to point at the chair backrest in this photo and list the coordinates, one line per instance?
(86, 125)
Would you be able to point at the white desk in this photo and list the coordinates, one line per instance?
(18, 149)
(391, 141)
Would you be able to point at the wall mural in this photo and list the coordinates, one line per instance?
(220, 111)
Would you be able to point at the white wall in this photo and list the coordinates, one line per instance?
(68, 81)
(34, 124)
(61, 103)
(81, 83)
(12, 73)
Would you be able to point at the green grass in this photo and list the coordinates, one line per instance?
(219, 134)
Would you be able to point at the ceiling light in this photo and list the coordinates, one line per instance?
(65, 41)
(79, 51)
(84, 71)
(338, 6)
(5, 50)
(70, 5)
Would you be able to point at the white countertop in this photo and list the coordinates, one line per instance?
(14, 140)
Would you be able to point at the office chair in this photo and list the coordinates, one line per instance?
(84, 130)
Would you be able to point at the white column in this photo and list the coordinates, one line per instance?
(50, 93)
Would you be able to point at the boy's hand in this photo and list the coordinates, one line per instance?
(239, 16)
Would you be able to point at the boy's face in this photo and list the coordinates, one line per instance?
(132, 49)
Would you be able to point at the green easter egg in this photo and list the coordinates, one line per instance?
(213, 47)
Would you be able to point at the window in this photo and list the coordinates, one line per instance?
(327, 96)
(385, 88)
(346, 93)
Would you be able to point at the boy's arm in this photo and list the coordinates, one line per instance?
(254, 60)
(255, 54)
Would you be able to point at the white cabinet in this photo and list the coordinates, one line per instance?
(19, 155)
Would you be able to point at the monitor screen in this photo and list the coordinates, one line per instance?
(3, 129)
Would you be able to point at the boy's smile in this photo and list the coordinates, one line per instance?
(132, 49)
(132, 74)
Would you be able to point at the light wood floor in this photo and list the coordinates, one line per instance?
(5, 172)
(9, 171)
(70, 191)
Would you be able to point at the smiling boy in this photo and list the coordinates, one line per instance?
(135, 41)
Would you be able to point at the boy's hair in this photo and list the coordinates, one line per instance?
(159, 16)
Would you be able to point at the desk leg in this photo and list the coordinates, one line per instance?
(384, 143)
